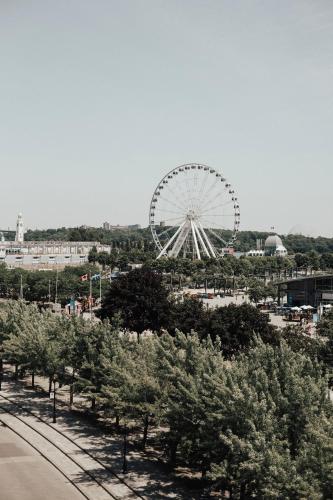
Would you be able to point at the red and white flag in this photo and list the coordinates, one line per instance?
(84, 277)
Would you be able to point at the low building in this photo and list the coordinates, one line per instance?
(308, 290)
(255, 253)
(47, 254)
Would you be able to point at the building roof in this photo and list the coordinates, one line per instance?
(273, 241)
(304, 278)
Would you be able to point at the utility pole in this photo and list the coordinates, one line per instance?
(90, 296)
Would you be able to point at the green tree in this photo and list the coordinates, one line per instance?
(141, 299)
(236, 327)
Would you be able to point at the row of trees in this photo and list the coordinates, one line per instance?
(228, 266)
(45, 286)
(49, 285)
(141, 238)
(256, 425)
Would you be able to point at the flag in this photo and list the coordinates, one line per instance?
(84, 277)
(96, 277)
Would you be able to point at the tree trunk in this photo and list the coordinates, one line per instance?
(33, 379)
(50, 384)
(173, 454)
(16, 371)
(145, 431)
(117, 420)
(71, 390)
(242, 495)
(93, 404)
(71, 395)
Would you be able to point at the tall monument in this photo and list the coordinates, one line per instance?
(19, 238)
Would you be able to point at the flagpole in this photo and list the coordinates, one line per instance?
(90, 295)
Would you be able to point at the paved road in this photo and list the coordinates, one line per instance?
(26, 475)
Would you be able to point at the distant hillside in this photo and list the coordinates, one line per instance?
(124, 238)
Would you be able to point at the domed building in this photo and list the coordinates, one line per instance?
(274, 246)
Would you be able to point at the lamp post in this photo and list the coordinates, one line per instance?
(125, 467)
(54, 416)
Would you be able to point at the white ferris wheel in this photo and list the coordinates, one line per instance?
(194, 213)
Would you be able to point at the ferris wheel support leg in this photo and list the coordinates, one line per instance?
(202, 243)
(209, 245)
(164, 249)
(195, 240)
(186, 228)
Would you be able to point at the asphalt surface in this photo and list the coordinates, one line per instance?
(26, 475)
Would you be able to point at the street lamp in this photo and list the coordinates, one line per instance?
(125, 466)
(54, 415)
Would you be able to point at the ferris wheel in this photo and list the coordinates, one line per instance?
(194, 213)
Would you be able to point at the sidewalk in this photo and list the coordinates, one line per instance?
(146, 476)
(24, 474)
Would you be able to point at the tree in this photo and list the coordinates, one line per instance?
(186, 315)
(184, 364)
(257, 292)
(131, 388)
(325, 332)
(95, 347)
(267, 412)
(140, 298)
(236, 327)
(26, 341)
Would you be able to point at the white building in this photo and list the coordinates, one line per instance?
(19, 237)
(45, 254)
(273, 246)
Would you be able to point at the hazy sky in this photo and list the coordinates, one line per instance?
(100, 98)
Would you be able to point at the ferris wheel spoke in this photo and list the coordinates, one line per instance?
(166, 231)
(188, 191)
(229, 202)
(204, 182)
(172, 203)
(170, 212)
(184, 198)
(208, 223)
(220, 215)
(174, 219)
(206, 195)
(212, 200)
(179, 197)
(217, 236)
